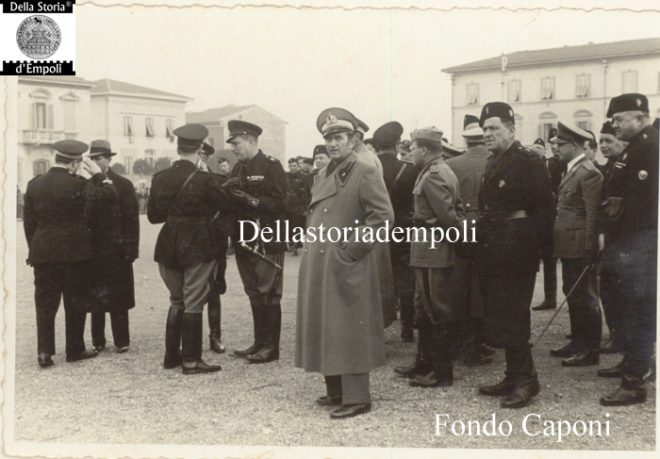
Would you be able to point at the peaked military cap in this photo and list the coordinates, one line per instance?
(361, 125)
(72, 149)
(307, 160)
(539, 141)
(207, 149)
(388, 134)
(499, 109)
(471, 128)
(240, 127)
(430, 134)
(628, 102)
(320, 150)
(336, 119)
(607, 128)
(566, 133)
(100, 148)
(190, 137)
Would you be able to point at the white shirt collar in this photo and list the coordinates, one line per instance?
(573, 162)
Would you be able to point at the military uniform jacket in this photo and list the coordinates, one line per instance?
(635, 179)
(515, 181)
(399, 179)
(437, 203)
(186, 238)
(578, 203)
(469, 169)
(56, 216)
(263, 178)
(339, 326)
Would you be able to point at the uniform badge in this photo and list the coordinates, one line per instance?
(434, 169)
(639, 102)
(642, 174)
(331, 119)
(502, 184)
(255, 178)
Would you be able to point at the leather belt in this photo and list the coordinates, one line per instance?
(504, 215)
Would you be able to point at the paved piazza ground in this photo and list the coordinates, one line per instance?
(129, 398)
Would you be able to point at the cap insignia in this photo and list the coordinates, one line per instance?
(332, 119)
(642, 174)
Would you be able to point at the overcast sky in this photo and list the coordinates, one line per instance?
(380, 64)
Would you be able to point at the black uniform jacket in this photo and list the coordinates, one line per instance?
(187, 236)
(517, 207)
(399, 179)
(56, 216)
(263, 178)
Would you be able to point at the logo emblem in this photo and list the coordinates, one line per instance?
(38, 37)
(332, 119)
(639, 102)
(487, 109)
(642, 174)
(502, 184)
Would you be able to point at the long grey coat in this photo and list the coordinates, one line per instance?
(339, 326)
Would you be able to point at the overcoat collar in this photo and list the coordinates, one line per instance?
(571, 172)
(325, 187)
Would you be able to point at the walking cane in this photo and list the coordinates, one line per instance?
(584, 271)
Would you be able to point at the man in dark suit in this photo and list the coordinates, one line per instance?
(631, 256)
(469, 170)
(117, 228)
(515, 229)
(55, 220)
(259, 195)
(185, 199)
(576, 244)
(399, 179)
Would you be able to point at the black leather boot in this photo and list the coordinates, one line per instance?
(191, 338)
(258, 320)
(271, 349)
(214, 313)
(173, 338)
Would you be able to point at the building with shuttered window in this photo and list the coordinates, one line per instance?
(573, 84)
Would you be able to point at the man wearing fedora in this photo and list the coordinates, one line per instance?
(56, 220)
(116, 241)
(469, 169)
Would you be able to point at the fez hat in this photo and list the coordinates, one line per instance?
(628, 102)
(387, 134)
(499, 109)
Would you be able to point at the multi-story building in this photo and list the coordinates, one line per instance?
(272, 141)
(49, 109)
(137, 121)
(573, 84)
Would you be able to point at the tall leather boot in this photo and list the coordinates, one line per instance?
(191, 339)
(441, 374)
(215, 319)
(173, 338)
(407, 304)
(421, 365)
(258, 320)
(271, 350)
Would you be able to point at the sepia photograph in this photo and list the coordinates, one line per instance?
(331, 229)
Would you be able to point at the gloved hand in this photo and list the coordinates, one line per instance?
(613, 208)
(245, 198)
(231, 183)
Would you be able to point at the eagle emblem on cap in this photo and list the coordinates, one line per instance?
(502, 184)
(638, 101)
(332, 119)
(510, 112)
(642, 174)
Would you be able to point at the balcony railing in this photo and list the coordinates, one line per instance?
(42, 136)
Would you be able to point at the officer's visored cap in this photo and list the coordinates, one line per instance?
(429, 134)
(335, 119)
(628, 102)
(607, 128)
(240, 127)
(539, 141)
(499, 109)
(100, 147)
(566, 133)
(388, 134)
(471, 128)
(72, 149)
(361, 126)
(320, 150)
(207, 149)
(307, 160)
(190, 137)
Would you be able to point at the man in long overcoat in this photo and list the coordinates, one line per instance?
(339, 326)
(117, 235)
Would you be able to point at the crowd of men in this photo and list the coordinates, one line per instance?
(463, 299)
